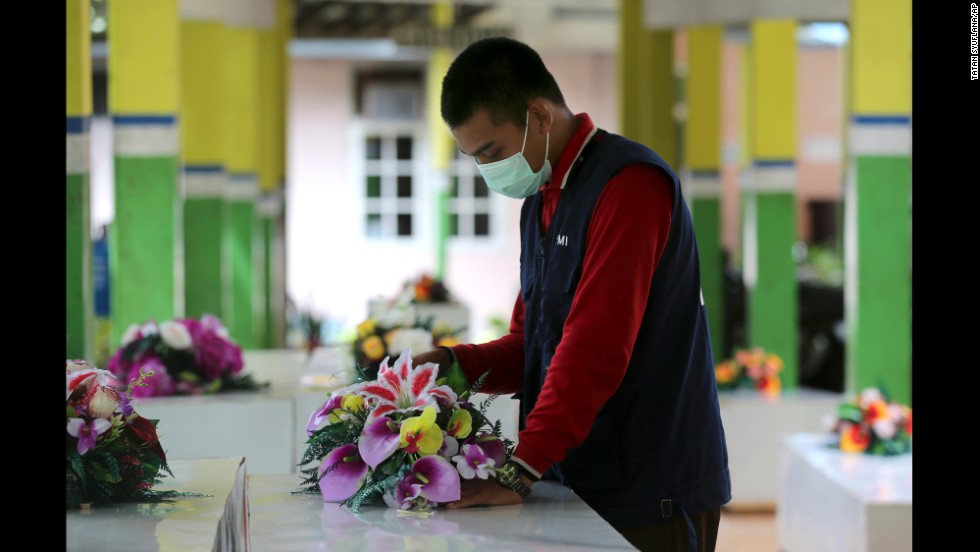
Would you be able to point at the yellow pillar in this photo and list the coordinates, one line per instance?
(442, 142)
(647, 83)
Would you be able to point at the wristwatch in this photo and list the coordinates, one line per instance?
(509, 477)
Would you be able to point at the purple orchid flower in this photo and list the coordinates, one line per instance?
(473, 462)
(432, 478)
(87, 432)
(450, 447)
(342, 473)
(379, 440)
(321, 413)
(492, 447)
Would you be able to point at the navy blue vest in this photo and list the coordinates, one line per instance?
(657, 448)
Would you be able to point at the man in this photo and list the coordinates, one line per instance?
(608, 349)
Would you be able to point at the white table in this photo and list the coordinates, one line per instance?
(219, 522)
(835, 501)
(552, 518)
(754, 428)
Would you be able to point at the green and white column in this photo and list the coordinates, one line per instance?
(203, 133)
(79, 308)
(647, 83)
(243, 113)
(702, 152)
(769, 214)
(878, 199)
(270, 207)
(145, 253)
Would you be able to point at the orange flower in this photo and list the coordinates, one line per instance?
(877, 410)
(854, 438)
(908, 421)
(774, 363)
(770, 385)
(725, 372)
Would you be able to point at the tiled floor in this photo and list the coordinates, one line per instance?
(747, 532)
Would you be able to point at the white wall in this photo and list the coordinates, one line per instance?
(330, 267)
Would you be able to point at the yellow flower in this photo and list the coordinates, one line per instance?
(420, 434)
(447, 341)
(774, 363)
(373, 348)
(352, 403)
(366, 328)
(460, 423)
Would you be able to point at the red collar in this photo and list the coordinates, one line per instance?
(573, 150)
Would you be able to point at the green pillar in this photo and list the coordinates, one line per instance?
(878, 207)
(145, 252)
(702, 152)
(79, 308)
(770, 201)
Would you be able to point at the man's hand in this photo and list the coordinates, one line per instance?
(485, 492)
(438, 356)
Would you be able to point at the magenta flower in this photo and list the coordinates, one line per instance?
(492, 447)
(432, 478)
(473, 462)
(158, 384)
(87, 432)
(379, 440)
(342, 473)
(320, 414)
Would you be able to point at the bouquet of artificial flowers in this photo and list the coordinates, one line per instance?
(112, 453)
(873, 424)
(186, 356)
(406, 439)
(424, 289)
(750, 368)
(389, 336)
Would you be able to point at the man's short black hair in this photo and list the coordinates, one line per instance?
(499, 74)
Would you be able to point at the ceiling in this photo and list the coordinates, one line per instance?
(335, 19)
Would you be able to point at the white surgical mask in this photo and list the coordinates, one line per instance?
(513, 176)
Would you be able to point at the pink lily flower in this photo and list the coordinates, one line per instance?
(402, 388)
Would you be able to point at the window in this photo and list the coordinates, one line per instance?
(390, 183)
(469, 200)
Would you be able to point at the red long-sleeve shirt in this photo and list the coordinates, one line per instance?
(626, 238)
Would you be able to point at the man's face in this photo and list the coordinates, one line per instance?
(486, 142)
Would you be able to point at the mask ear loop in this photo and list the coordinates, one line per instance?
(527, 119)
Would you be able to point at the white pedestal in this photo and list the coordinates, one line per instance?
(835, 501)
(215, 523)
(754, 428)
(256, 425)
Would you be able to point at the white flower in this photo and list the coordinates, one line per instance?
(131, 332)
(409, 339)
(395, 317)
(104, 402)
(176, 336)
(884, 428)
(77, 366)
(83, 378)
(869, 396)
(150, 328)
